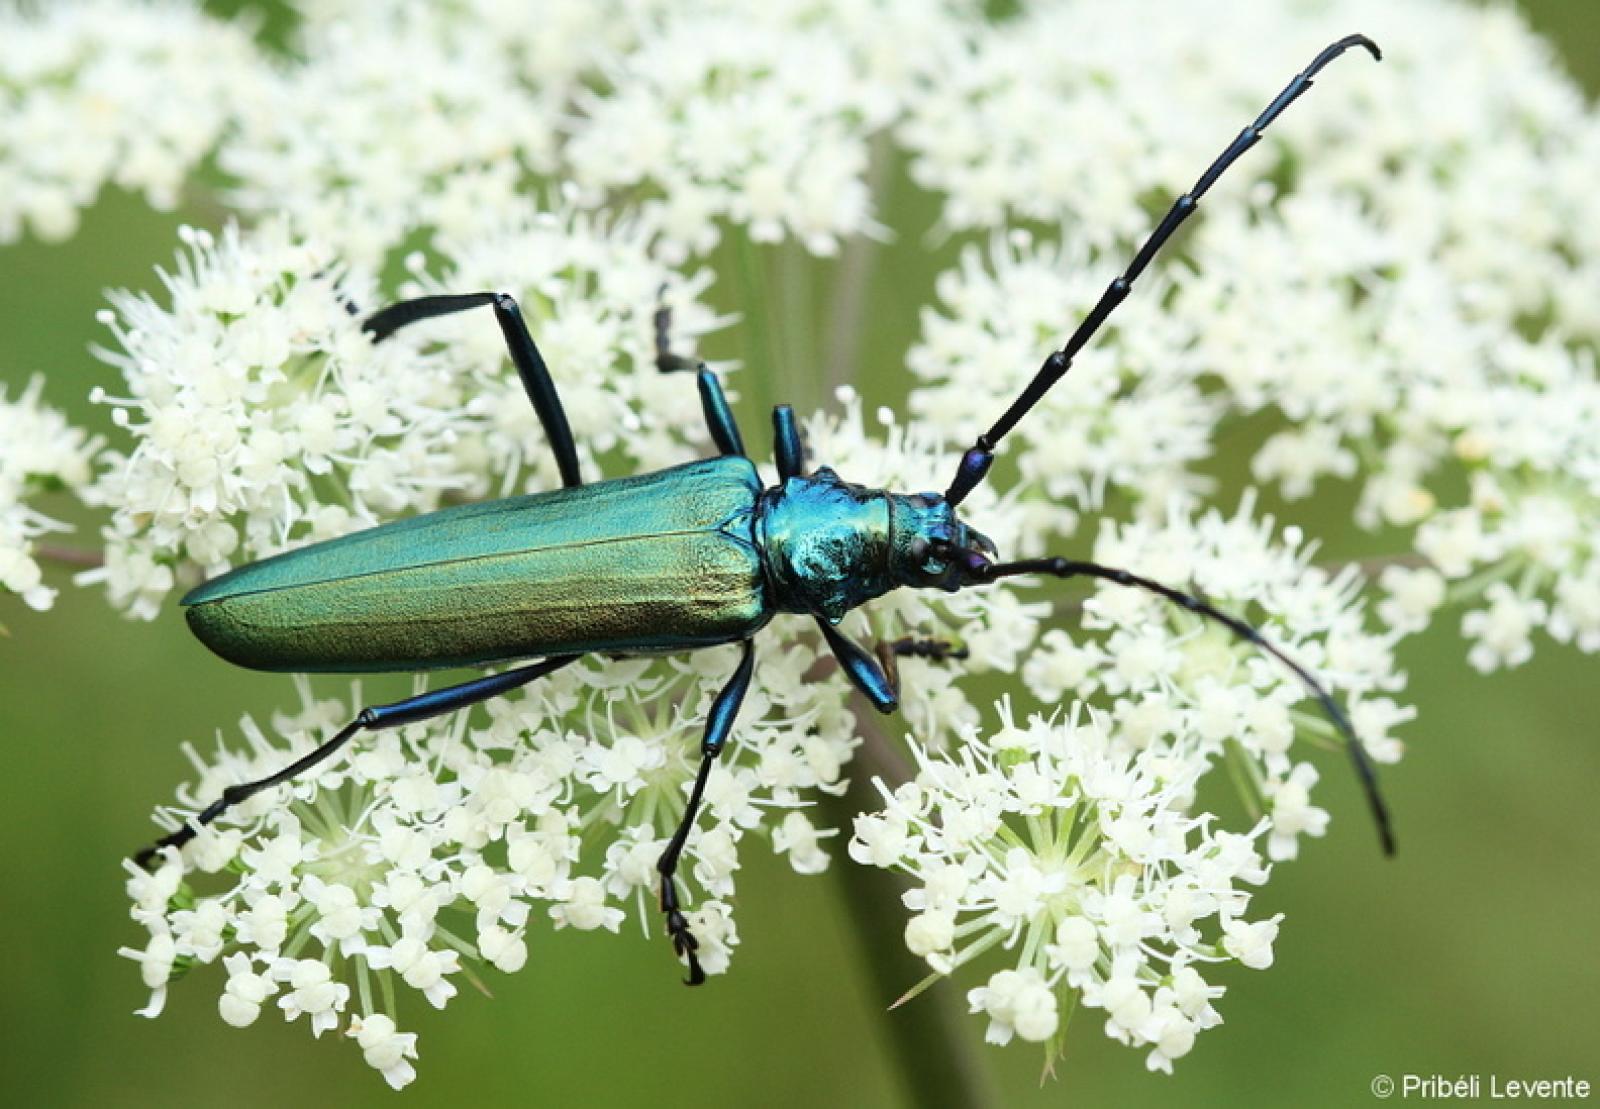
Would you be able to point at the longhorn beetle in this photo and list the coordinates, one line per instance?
(693, 556)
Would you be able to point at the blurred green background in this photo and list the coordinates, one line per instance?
(1472, 953)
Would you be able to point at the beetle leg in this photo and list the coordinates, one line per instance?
(862, 669)
(435, 702)
(719, 724)
(713, 402)
(719, 415)
(525, 356)
(936, 649)
(889, 651)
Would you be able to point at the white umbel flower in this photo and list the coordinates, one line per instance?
(98, 92)
(759, 116)
(262, 416)
(386, 1050)
(1081, 862)
(432, 130)
(40, 453)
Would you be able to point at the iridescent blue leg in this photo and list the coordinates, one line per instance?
(862, 669)
(719, 724)
(424, 706)
(524, 355)
(879, 678)
(713, 402)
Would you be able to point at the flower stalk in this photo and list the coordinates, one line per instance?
(928, 1037)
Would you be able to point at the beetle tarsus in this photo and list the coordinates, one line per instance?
(719, 725)
(684, 945)
(890, 651)
(666, 361)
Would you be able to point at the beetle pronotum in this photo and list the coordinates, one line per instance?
(689, 557)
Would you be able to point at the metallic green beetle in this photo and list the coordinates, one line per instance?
(689, 557)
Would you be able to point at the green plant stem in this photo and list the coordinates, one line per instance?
(847, 313)
(931, 1042)
(796, 325)
(764, 356)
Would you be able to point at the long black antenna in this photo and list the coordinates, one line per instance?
(976, 461)
(980, 571)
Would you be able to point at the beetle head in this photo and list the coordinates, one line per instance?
(925, 538)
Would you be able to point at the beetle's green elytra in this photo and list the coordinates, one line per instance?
(662, 561)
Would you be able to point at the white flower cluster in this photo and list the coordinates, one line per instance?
(263, 417)
(106, 91)
(42, 454)
(426, 851)
(1455, 422)
(365, 143)
(1082, 858)
(1524, 541)
(1076, 843)
(394, 118)
(760, 116)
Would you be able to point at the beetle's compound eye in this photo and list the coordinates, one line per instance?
(925, 557)
(939, 552)
(931, 556)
